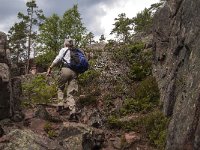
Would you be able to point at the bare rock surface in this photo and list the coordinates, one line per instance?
(177, 69)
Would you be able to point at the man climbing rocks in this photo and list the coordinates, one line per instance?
(67, 77)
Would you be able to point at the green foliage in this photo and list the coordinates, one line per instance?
(45, 59)
(38, 91)
(53, 32)
(138, 60)
(25, 31)
(88, 77)
(143, 21)
(146, 97)
(148, 88)
(49, 130)
(114, 122)
(128, 53)
(152, 126)
(139, 71)
(123, 26)
(71, 25)
(17, 41)
(49, 35)
(155, 125)
(89, 99)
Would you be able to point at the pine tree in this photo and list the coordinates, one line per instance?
(53, 32)
(122, 27)
(28, 25)
(71, 25)
(17, 42)
(102, 38)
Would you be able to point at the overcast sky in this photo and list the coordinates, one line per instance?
(97, 15)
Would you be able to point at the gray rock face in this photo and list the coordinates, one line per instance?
(78, 136)
(28, 140)
(10, 88)
(2, 47)
(177, 69)
(5, 84)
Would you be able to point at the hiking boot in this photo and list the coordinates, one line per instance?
(64, 111)
(73, 118)
(59, 108)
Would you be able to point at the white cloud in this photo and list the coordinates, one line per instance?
(129, 7)
(98, 16)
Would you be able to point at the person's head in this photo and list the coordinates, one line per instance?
(69, 43)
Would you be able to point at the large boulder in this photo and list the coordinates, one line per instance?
(3, 47)
(5, 84)
(26, 140)
(177, 70)
(78, 136)
(10, 88)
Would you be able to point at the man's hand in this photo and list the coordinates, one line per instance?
(48, 71)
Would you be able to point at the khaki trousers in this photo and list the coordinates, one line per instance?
(68, 79)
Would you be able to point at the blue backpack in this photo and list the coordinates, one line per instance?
(78, 61)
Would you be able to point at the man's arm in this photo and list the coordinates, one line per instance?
(56, 60)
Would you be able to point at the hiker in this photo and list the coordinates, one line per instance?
(67, 76)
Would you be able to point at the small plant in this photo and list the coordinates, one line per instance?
(88, 77)
(155, 125)
(114, 122)
(88, 100)
(49, 130)
(146, 98)
(38, 90)
(139, 71)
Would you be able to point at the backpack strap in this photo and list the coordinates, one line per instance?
(64, 56)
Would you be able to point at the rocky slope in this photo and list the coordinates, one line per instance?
(176, 67)
(44, 128)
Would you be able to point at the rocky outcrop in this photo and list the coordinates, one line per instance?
(26, 139)
(177, 69)
(5, 84)
(10, 88)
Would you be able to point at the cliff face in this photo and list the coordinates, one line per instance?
(5, 84)
(10, 87)
(177, 69)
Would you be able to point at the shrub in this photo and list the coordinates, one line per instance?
(148, 89)
(140, 62)
(88, 100)
(152, 126)
(88, 77)
(155, 125)
(139, 71)
(48, 128)
(146, 98)
(38, 91)
(114, 123)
